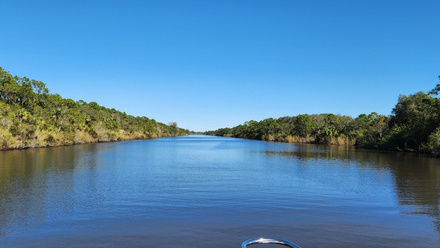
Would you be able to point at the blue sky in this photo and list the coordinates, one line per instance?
(211, 64)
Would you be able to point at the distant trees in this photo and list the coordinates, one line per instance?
(324, 128)
(413, 126)
(31, 117)
(264, 130)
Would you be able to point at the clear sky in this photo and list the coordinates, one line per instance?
(211, 64)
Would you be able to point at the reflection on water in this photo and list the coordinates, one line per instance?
(32, 179)
(416, 177)
(189, 191)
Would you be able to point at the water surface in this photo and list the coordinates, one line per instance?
(202, 191)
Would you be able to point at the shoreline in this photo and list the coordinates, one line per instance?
(339, 145)
(84, 143)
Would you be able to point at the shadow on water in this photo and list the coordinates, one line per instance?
(31, 179)
(416, 177)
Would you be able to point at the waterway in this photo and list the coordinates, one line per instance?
(204, 191)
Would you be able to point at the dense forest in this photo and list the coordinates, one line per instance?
(413, 126)
(31, 117)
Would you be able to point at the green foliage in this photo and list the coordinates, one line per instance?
(31, 117)
(433, 144)
(415, 118)
(436, 90)
(414, 126)
(303, 126)
(322, 128)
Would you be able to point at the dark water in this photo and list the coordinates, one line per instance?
(201, 191)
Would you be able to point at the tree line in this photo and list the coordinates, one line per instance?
(413, 126)
(32, 117)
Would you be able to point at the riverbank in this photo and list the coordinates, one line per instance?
(32, 117)
(54, 140)
(414, 126)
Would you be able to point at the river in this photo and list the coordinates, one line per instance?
(204, 191)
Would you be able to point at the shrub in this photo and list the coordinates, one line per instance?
(433, 144)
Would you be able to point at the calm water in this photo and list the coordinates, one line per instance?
(201, 191)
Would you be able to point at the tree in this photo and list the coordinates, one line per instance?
(303, 126)
(379, 123)
(414, 118)
(436, 90)
(268, 128)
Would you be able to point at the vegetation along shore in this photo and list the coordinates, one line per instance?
(32, 117)
(413, 126)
